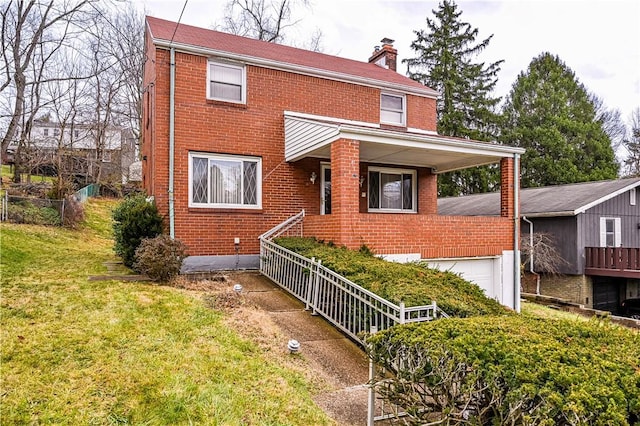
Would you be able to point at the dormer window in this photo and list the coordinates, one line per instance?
(392, 109)
(226, 82)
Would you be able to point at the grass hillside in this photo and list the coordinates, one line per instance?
(76, 351)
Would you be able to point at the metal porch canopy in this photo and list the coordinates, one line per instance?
(311, 136)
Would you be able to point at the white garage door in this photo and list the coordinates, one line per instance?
(485, 272)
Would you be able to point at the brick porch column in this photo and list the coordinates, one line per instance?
(507, 203)
(345, 186)
(427, 192)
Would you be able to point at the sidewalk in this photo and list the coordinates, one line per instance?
(335, 356)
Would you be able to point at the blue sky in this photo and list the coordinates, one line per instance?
(598, 39)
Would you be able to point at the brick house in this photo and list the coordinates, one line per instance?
(240, 134)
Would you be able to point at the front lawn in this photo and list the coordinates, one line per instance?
(76, 351)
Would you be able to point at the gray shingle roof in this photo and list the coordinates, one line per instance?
(559, 200)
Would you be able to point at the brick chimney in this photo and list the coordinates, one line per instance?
(385, 56)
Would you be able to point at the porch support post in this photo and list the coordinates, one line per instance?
(345, 186)
(507, 198)
(427, 192)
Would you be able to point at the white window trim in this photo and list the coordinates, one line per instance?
(211, 156)
(632, 196)
(414, 189)
(617, 233)
(243, 91)
(403, 122)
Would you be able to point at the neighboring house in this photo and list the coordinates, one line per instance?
(80, 150)
(241, 134)
(596, 227)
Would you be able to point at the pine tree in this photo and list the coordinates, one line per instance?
(550, 114)
(466, 109)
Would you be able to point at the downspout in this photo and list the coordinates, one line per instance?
(172, 112)
(516, 232)
(531, 253)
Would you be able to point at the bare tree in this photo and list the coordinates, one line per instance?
(632, 144)
(540, 255)
(29, 27)
(611, 121)
(266, 20)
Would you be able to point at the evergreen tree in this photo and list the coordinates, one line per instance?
(445, 62)
(550, 114)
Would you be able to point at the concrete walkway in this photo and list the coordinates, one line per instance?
(338, 357)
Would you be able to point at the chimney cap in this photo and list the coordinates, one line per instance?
(387, 41)
(376, 48)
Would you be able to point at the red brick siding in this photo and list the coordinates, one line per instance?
(432, 236)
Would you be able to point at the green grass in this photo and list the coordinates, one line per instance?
(7, 175)
(109, 352)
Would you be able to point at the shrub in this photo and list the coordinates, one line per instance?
(511, 370)
(73, 212)
(28, 213)
(411, 283)
(160, 257)
(134, 219)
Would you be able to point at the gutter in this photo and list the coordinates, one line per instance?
(516, 232)
(298, 69)
(172, 113)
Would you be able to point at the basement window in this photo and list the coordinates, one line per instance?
(226, 82)
(225, 181)
(392, 190)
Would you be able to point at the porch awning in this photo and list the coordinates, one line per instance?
(311, 136)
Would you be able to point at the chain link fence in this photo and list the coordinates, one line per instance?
(44, 211)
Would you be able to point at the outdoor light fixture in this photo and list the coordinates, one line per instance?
(313, 177)
(237, 288)
(293, 346)
(361, 181)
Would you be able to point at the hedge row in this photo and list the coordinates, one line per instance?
(511, 370)
(411, 283)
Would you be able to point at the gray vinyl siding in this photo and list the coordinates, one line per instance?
(616, 207)
(563, 230)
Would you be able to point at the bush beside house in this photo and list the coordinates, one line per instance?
(135, 219)
(413, 284)
(511, 370)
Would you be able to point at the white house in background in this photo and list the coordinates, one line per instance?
(114, 152)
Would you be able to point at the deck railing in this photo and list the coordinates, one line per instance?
(612, 259)
(348, 306)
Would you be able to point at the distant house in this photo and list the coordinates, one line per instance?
(596, 226)
(81, 149)
(240, 135)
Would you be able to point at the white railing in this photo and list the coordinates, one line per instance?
(348, 306)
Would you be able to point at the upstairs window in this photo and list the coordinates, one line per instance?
(224, 181)
(46, 132)
(392, 109)
(226, 82)
(392, 190)
(610, 235)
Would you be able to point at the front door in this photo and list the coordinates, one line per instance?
(325, 189)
